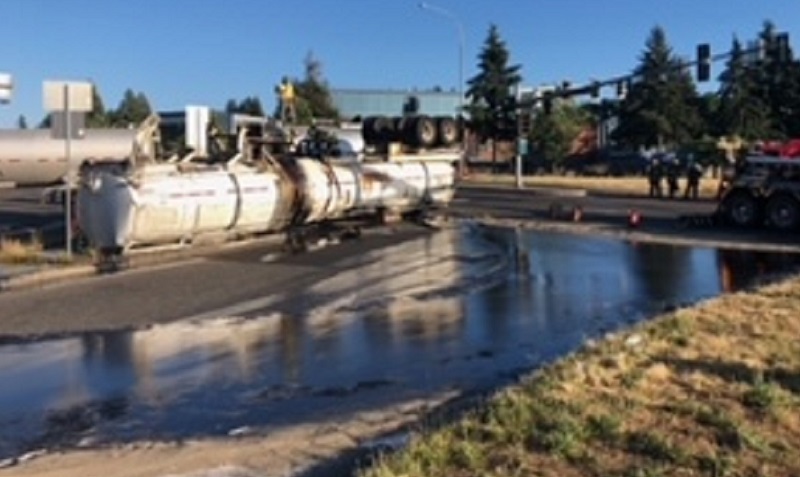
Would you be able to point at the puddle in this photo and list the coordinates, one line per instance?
(463, 309)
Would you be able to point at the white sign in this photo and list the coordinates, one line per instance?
(6, 86)
(79, 95)
(197, 118)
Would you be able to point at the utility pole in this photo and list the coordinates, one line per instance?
(461, 46)
(67, 98)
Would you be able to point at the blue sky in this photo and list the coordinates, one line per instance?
(183, 52)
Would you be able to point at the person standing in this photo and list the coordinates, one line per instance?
(694, 172)
(672, 177)
(287, 100)
(654, 175)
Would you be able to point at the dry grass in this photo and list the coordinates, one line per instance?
(711, 390)
(610, 185)
(18, 252)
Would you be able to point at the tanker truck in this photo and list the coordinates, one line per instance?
(261, 188)
(34, 157)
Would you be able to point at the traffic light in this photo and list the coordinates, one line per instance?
(622, 88)
(524, 119)
(547, 103)
(703, 62)
(594, 90)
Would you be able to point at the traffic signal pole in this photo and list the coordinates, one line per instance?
(521, 140)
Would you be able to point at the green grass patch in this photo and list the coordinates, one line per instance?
(762, 396)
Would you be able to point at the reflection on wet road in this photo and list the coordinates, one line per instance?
(466, 308)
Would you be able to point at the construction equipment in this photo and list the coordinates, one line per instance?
(761, 191)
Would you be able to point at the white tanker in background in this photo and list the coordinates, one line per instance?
(258, 191)
(34, 157)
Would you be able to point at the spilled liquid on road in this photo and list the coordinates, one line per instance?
(467, 309)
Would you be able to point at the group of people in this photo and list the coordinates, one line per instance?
(669, 169)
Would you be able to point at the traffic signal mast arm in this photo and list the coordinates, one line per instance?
(702, 63)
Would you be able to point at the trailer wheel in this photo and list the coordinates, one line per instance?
(420, 131)
(399, 124)
(783, 212)
(367, 128)
(383, 129)
(741, 209)
(446, 130)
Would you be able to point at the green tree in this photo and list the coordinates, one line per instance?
(133, 109)
(552, 135)
(661, 106)
(743, 110)
(778, 80)
(313, 95)
(250, 105)
(492, 105)
(98, 116)
(22, 123)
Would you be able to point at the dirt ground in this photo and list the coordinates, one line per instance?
(293, 451)
(637, 186)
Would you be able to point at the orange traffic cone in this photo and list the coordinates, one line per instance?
(634, 218)
(577, 214)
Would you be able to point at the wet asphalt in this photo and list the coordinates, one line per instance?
(252, 337)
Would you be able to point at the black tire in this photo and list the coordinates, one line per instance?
(382, 128)
(399, 125)
(742, 209)
(446, 131)
(783, 212)
(420, 131)
(367, 130)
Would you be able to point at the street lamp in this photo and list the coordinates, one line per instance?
(460, 28)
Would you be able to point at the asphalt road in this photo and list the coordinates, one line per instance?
(186, 288)
(506, 200)
(218, 280)
(660, 217)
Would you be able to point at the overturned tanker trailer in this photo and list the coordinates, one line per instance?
(124, 206)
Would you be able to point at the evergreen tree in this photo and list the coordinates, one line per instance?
(98, 116)
(133, 109)
(250, 105)
(313, 95)
(661, 106)
(492, 106)
(779, 83)
(743, 110)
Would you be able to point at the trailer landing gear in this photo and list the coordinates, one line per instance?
(111, 260)
(303, 239)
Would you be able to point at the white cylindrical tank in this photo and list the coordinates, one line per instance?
(33, 156)
(164, 203)
(332, 190)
